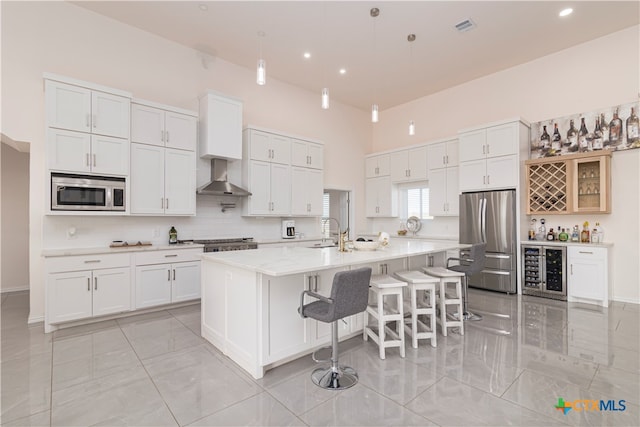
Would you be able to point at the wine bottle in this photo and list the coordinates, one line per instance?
(615, 130)
(632, 129)
(582, 137)
(572, 137)
(597, 136)
(556, 139)
(605, 131)
(545, 140)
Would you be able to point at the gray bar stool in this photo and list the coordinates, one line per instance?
(349, 296)
(470, 266)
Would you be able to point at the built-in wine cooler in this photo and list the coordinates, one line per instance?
(544, 271)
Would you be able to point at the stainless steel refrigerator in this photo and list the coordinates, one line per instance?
(490, 216)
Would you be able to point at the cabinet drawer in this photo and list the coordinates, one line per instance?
(587, 253)
(87, 262)
(161, 257)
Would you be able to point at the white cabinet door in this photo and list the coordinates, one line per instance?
(453, 153)
(306, 191)
(68, 106)
(438, 192)
(69, 296)
(179, 182)
(381, 197)
(153, 285)
(260, 187)
(110, 114)
(502, 140)
(181, 131)
(299, 153)
(376, 166)
(284, 331)
(472, 145)
(436, 156)
(399, 166)
(473, 175)
(316, 155)
(111, 291)
(221, 126)
(147, 125)
(280, 189)
(186, 281)
(109, 155)
(280, 149)
(147, 179)
(260, 145)
(502, 172)
(69, 151)
(587, 273)
(453, 191)
(417, 164)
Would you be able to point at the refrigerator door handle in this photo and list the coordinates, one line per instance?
(480, 222)
(483, 215)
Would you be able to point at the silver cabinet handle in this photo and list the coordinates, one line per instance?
(572, 269)
(447, 156)
(377, 170)
(167, 135)
(95, 121)
(487, 148)
(585, 252)
(162, 203)
(92, 261)
(171, 256)
(167, 203)
(484, 148)
(168, 275)
(94, 160)
(161, 135)
(87, 159)
(444, 160)
(88, 283)
(488, 179)
(484, 179)
(174, 274)
(95, 283)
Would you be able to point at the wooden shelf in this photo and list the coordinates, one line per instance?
(569, 184)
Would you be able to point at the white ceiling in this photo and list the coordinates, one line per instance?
(388, 71)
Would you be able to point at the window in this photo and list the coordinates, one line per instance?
(324, 222)
(417, 201)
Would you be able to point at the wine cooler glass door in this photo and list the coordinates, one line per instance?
(555, 260)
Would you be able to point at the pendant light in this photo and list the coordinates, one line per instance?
(324, 96)
(411, 38)
(261, 75)
(374, 12)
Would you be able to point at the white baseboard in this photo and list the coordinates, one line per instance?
(35, 319)
(626, 300)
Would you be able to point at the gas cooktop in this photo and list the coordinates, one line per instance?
(220, 245)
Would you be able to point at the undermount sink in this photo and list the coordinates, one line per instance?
(324, 245)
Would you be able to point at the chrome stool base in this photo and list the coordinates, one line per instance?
(331, 378)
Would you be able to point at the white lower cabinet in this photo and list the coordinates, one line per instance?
(164, 277)
(74, 291)
(588, 277)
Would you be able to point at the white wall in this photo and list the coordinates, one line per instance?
(62, 38)
(561, 84)
(15, 219)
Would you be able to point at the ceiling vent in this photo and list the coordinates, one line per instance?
(466, 25)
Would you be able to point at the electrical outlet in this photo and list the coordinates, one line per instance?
(155, 232)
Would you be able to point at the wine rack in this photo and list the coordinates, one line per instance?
(574, 183)
(547, 190)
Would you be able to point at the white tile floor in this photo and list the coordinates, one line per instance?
(154, 369)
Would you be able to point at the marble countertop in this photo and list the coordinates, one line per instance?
(107, 250)
(557, 243)
(295, 260)
(281, 240)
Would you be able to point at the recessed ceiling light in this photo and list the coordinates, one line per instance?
(343, 71)
(203, 7)
(307, 55)
(566, 12)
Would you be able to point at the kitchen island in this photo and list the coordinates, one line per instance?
(250, 298)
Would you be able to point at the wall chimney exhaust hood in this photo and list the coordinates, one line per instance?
(219, 186)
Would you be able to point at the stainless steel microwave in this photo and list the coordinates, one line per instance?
(87, 193)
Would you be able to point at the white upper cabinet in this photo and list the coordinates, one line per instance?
(377, 165)
(408, 165)
(179, 182)
(220, 126)
(493, 141)
(164, 128)
(442, 154)
(270, 147)
(306, 154)
(381, 198)
(85, 153)
(81, 109)
(443, 192)
(306, 191)
(489, 156)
